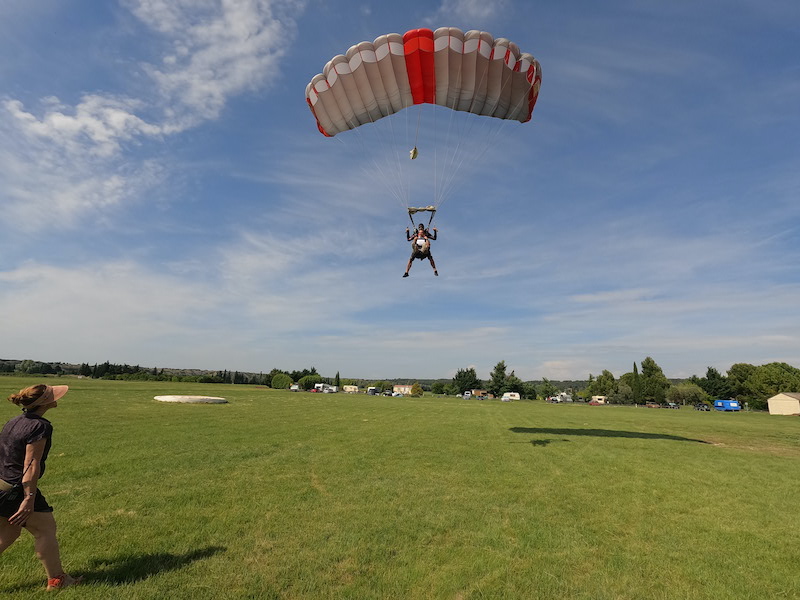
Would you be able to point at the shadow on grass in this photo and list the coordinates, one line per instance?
(130, 568)
(543, 442)
(601, 433)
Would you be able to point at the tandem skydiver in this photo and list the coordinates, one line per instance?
(421, 246)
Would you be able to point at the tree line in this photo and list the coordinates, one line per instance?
(749, 384)
(744, 382)
(645, 382)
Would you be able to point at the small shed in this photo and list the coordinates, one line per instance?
(727, 405)
(785, 403)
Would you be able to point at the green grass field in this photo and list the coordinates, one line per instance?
(282, 495)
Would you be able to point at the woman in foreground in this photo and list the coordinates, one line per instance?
(24, 445)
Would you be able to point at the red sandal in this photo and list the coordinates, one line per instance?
(62, 581)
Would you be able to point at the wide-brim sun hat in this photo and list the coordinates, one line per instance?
(51, 394)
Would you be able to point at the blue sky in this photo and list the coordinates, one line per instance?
(167, 200)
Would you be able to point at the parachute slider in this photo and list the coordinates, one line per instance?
(413, 153)
(412, 210)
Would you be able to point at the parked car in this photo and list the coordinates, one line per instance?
(653, 405)
(702, 406)
(595, 403)
(294, 388)
(397, 395)
(673, 405)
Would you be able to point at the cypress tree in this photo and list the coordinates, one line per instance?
(636, 388)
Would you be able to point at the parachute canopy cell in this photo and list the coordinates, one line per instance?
(470, 72)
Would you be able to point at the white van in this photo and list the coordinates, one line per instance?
(467, 395)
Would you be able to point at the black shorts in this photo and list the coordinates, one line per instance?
(39, 505)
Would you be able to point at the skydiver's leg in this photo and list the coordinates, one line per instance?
(433, 264)
(408, 268)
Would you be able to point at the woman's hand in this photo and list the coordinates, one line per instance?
(25, 510)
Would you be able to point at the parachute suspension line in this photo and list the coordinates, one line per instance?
(389, 173)
(416, 136)
(392, 169)
(403, 183)
(390, 182)
(486, 143)
(462, 134)
(449, 170)
(435, 162)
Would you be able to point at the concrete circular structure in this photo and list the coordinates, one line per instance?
(192, 399)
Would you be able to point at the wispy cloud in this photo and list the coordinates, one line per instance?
(78, 160)
(215, 50)
(467, 11)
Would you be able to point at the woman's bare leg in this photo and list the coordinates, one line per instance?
(42, 525)
(8, 534)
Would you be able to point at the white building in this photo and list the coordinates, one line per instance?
(785, 403)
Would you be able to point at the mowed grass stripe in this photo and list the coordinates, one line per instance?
(347, 496)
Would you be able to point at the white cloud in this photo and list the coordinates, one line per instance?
(468, 11)
(70, 162)
(217, 50)
(99, 124)
(48, 181)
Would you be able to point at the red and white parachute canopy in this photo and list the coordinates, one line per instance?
(470, 72)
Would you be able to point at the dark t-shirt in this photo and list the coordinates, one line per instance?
(20, 431)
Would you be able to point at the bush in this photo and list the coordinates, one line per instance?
(307, 382)
(281, 381)
(439, 388)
